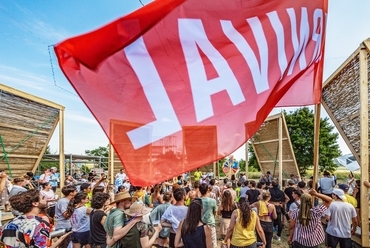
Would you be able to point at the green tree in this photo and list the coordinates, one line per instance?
(252, 160)
(101, 151)
(300, 125)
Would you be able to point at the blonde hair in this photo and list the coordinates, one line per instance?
(265, 194)
(304, 215)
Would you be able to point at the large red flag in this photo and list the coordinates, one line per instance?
(178, 84)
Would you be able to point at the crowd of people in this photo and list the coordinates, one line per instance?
(179, 212)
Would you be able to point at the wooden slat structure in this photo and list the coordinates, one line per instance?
(27, 123)
(345, 97)
(265, 143)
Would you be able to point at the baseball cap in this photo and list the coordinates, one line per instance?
(343, 186)
(340, 194)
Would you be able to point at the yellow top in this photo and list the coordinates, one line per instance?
(197, 175)
(263, 210)
(244, 236)
(351, 200)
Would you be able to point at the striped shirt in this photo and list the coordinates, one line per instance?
(313, 234)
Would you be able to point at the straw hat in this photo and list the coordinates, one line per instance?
(122, 196)
(137, 209)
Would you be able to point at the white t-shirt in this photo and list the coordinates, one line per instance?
(44, 178)
(294, 205)
(341, 214)
(121, 175)
(174, 215)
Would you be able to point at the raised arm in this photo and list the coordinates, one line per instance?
(326, 199)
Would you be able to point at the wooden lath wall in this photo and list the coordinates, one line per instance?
(26, 126)
(265, 143)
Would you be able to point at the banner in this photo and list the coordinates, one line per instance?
(179, 84)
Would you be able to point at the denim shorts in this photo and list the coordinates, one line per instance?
(80, 237)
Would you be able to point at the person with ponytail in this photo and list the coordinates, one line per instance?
(192, 232)
(243, 224)
(225, 210)
(80, 220)
(305, 229)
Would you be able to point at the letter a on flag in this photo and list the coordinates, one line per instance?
(178, 84)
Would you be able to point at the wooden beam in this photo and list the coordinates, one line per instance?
(30, 97)
(290, 145)
(111, 162)
(22, 128)
(364, 145)
(246, 159)
(61, 149)
(349, 118)
(270, 141)
(316, 145)
(281, 151)
(273, 161)
(19, 156)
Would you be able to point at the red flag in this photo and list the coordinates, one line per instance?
(178, 84)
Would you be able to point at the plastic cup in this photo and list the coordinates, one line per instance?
(155, 222)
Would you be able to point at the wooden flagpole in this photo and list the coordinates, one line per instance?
(316, 144)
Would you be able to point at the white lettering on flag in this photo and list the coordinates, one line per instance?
(166, 122)
(299, 46)
(317, 33)
(192, 35)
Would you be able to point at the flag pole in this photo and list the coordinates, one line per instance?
(316, 144)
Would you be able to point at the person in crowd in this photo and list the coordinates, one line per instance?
(28, 229)
(70, 181)
(121, 189)
(297, 193)
(225, 210)
(156, 215)
(45, 216)
(175, 214)
(289, 192)
(327, 184)
(45, 177)
(267, 214)
(50, 198)
(110, 191)
(137, 237)
(210, 193)
(5, 192)
(339, 216)
(54, 178)
(229, 187)
(80, 222)
(351, 182)
(350, 199)
(209, 210)
(210, 175)
(204, 178)
(156, 196)
(139, 193)
(127, 184)
(237, 190)
(197, 175)
(357, 196)
(253, 193)
(97, 188)
(86, 188)
(279, 199)
(194, 193)
(243, 225)
(99, 203)
(244, 189)
(215, 189)
(180, 180)
(18, 186)
(61, 217)
(121, 174)
(192, 231)
(302, 186)
(293, 178)
(116, 224)
(305, 228)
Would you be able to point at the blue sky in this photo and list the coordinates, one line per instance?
(28, 28)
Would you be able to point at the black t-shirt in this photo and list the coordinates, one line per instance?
(289, 192)
(97, 232)
(253, 195)
(277, 195)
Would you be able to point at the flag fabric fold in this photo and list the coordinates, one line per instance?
(178, 84)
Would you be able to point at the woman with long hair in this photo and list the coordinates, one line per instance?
(266, 213)
(243, 224)
(50, 198)
(305, 228)
(192, 232)
(156, 196)
(99, 203)
(226, 208)
(80, 220)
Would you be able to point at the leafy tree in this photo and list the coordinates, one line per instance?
(300, 125)
(101, 151)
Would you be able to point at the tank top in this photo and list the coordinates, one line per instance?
(244, 236)
(196, 239)
(227, 214)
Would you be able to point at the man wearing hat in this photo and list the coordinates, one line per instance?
(116, 224)
(53, 178)
(350, 199)
(339, 216)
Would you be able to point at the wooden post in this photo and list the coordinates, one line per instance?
(364, 144)
(280, 151)
(214, 169)
(316, 144)
(231, 161)
(111, 163)
(61, 149)
(246, 160)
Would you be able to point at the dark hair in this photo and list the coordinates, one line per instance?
(67, 190)
(260, 184)
(212, 182)
(73, 202)
(227, 202)
(43, 185)
(84, 186)
(245, 211)
(298, 192)
(193, 217)
(253, 183)
(30, 174)
(179, 194)
(196, 184)
(18, 180)
(291, 175)
(239, 184)
(203, 188)
(121, 187)
(97, 189)
(246, 183)
(232, 177)
(99, 199)
(22, 202)
(274, 184)
(301, 184)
